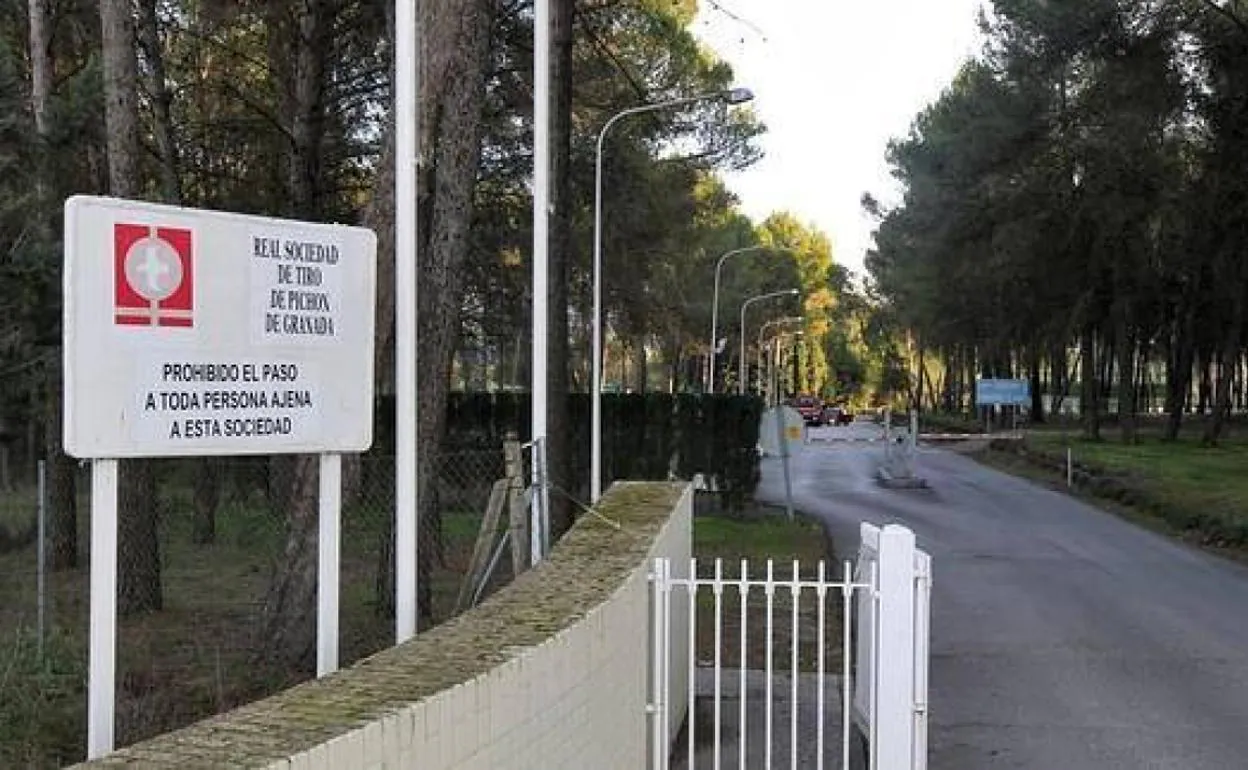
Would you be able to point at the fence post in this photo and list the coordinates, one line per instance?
(41, 592)
(517, 511)
(894, 744)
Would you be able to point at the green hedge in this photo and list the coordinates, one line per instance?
(645, 437)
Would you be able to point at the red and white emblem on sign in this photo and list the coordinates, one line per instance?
(153, 276)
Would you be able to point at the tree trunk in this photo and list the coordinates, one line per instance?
(40, 67)
(138, 556)
(62, 489)
(379, 216)
(1230, 353)
(138, 539)
(207, 475)
(950, 388)
(1179, 374)
(1037, 397)
(640, 364)
(918, 384)
(1126, 385)
(289, 625)
(558, 427)
(289, 613)
(313, 24)
(121, 103)
(162, 102)
(969, 373)
(62, 475)
(1204, 393)
(932, 392)
(456, 44)
(1238, 403)
(1105, 375)
(207, 498)
(1089, 390)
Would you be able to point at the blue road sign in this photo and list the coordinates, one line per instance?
(1002, 392)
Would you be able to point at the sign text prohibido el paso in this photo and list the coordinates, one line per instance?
(192, 332)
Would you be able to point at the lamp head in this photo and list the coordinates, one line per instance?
(738, 96)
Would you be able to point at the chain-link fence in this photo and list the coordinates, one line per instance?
(234, 588)
(218, 592)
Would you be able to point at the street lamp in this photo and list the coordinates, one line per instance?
(744, 306)
(762, 330)
(793, 319)
(710, 385)
(730, 96)
(774, 376)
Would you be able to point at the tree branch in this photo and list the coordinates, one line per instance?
(1227, 13)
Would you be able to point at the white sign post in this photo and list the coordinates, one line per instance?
(194, 333)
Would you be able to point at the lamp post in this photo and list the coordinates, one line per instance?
(730, 96)
(745, 306)
(793, 319)
(719, 264)
(762, 330)
(774, 374)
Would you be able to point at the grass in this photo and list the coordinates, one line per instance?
(195, 657)
(18, 512)
(1198, 493)
(758, 538)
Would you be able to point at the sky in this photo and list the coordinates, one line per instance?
(834, 80)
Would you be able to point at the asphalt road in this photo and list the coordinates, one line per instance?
(1063, 637)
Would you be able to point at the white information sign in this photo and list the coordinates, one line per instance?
(191, 332)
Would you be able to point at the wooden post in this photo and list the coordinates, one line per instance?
(484, 545)
(517, 506)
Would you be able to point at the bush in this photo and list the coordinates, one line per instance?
(43, 711)
(648, 437)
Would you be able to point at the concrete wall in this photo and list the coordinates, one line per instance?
(551, 672)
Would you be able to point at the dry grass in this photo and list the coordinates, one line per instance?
(195, 657)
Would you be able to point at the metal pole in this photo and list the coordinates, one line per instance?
(407, 159)
(595, 429)
(741, 360)
(40, 593)
(102, 661)
(719, 265)
(541, 262)
(888, 426)
(762, 330)
(328, 552)
(710, 387)
(758, 363)
(744, 306)
(764, 374)
(781, 433)
(775, 371)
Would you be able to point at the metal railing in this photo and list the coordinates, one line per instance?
(778, 627)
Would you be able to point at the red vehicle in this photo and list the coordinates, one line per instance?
(810, 408)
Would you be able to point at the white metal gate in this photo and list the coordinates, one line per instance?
(760, 636)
